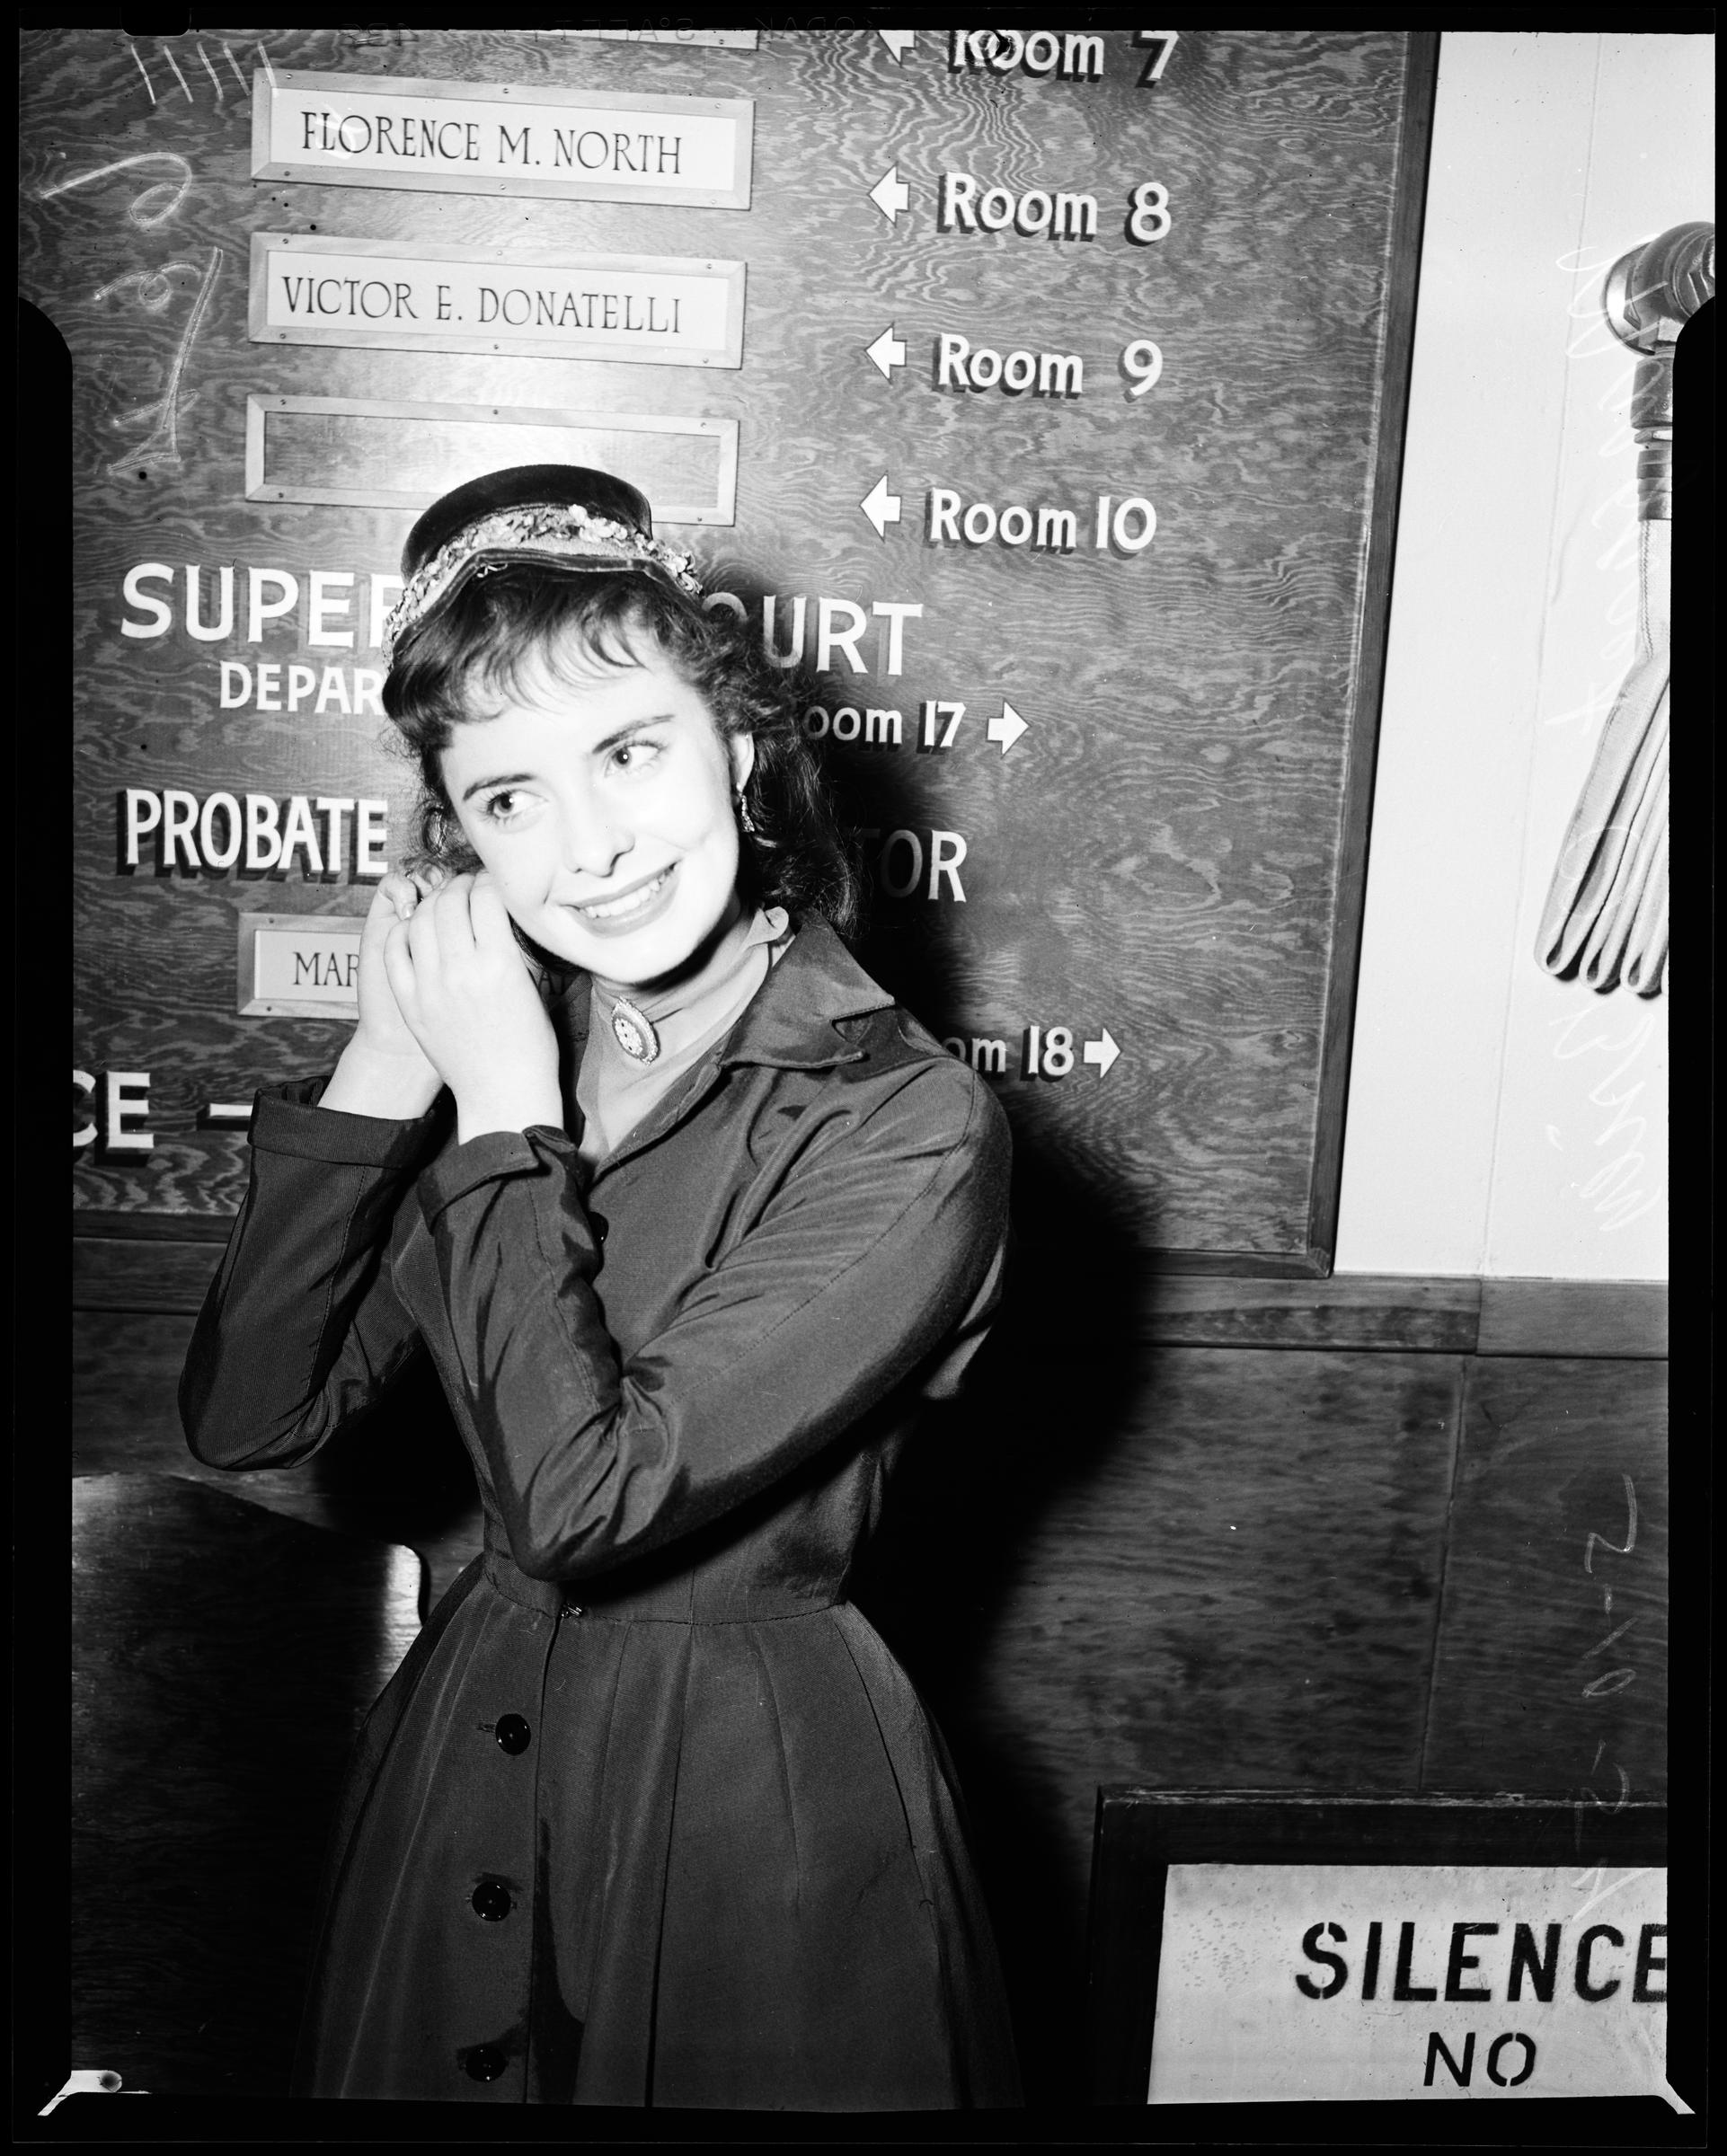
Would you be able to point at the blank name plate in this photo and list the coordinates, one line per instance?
(364, 452)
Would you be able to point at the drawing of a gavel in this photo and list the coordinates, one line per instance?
(1607, 911)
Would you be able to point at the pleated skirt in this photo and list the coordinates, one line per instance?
(591, 1859)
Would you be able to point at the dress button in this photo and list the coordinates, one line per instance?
(573, 1609)
(491, 1900)
(513, 1733)
(484, 2062)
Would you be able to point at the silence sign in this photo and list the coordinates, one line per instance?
(1280, 1982)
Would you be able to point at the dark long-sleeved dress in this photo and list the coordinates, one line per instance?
(649, 1815)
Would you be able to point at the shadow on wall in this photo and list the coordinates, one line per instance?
(1044, 1406)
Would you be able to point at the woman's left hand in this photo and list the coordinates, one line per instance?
(463, 988)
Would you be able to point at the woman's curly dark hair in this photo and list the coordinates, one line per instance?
(453, 666)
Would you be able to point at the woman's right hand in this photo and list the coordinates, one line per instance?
(382, 1029)
(383, 1071)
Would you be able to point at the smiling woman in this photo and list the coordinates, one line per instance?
(690, 1220)
(604, 808)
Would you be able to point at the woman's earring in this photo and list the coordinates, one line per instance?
(744, 817)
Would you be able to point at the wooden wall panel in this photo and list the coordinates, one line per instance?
(112, 1273)
(125, 1379)
(1260, 1551)
(398, 1477)
(1230, 1579)
(209, 1740)
(1552, 1669)
(1168, 853)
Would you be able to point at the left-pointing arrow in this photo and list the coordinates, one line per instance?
(881, 508)
(888, 352)
(891, 194)
(898, 42)
(1103, 1053)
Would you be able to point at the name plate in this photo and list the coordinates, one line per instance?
(508, 139)
(299, 966)
(1409, 1983)
(317, 288)
(386, 454)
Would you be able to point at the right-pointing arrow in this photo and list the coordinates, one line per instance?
(1103, 1053)
(891, 194)
(881, 508)
(1007, 729)
(888, 352)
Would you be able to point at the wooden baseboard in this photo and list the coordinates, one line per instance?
(152, 1262)
(1610, 1318)
(150, 1227)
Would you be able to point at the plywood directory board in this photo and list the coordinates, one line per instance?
(1041, 391)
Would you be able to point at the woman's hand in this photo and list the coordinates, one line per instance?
(462, 990)
(384, 1071)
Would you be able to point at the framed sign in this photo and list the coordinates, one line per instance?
(319, 288)
(1261, 1948)
(507, 138)
(298, 966)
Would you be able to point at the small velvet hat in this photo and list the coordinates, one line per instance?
(554, 516)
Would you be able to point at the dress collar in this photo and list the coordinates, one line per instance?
(794, 1021)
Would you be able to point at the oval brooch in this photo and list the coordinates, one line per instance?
(633, 1032)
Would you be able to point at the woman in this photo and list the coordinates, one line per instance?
(689, 1217)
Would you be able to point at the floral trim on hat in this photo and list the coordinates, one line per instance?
(559, 530)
